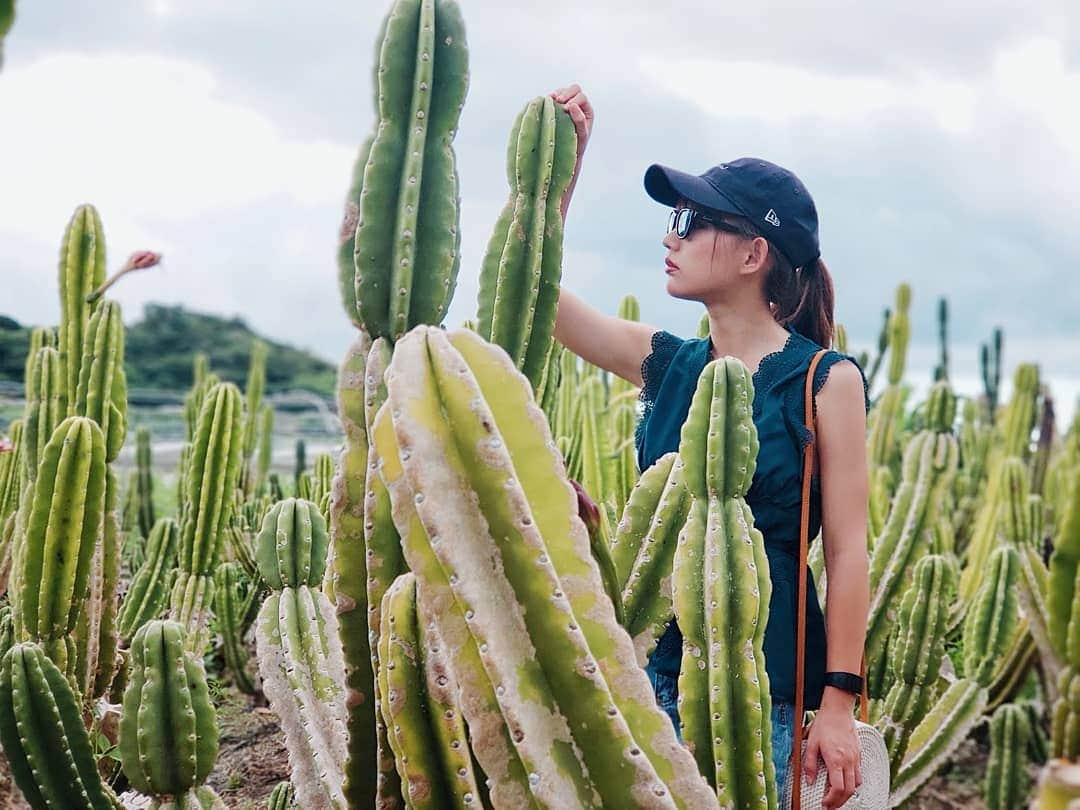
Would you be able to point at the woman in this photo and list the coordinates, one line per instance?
(742, 240)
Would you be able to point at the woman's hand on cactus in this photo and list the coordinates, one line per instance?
(581, 113)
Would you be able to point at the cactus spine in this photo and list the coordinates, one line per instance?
(43, 736)
(408, 236)
(519, 278)
(168, 730)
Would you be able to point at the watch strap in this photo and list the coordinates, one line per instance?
(847, 681)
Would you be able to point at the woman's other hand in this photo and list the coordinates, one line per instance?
(576, 103)
(833, 735)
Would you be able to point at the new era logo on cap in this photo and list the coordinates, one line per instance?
(772, 218)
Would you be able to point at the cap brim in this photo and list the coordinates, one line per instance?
(667, 185)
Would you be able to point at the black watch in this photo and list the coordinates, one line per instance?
(844, 680)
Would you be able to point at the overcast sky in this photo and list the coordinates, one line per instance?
(941, 142)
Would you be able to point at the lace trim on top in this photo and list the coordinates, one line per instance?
(664, 347)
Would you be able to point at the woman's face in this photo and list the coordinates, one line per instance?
(705, 262)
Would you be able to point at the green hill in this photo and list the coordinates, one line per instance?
(160, 348)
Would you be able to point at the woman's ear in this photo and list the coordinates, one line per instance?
(757, 255)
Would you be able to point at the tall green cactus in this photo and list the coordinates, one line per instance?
(723, 685)
(990, 365)
(992, 619)
(300, 658)
(62, 528)
(916, 653)
(930, 463)
(1013, 430)
(229, 602)
(253, 392)
(44, 407)
(941, 370)
(1007, 781)
(934, 740)
(213, 475)
(644, 548)
(384, 563)
(148, 593)
(519, 278)
(11, 465)
(102, 391)
(418, 705)
(474, 479)
(348, 513)
(407, 248)
(82, 270)
(95, 632)
(1063, 608)
(144, 481)
(44, 739)
(883, 440)
(265, 453)
(168, 729)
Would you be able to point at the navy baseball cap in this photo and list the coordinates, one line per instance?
(770, 196)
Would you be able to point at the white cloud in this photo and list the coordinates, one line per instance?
(779, 94)
(149, 140)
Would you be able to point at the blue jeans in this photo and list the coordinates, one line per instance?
(666, 689)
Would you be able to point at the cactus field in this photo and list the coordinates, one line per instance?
(454, 609)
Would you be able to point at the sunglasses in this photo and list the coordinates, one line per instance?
(684, 220)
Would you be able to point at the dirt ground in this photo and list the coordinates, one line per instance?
(252, 760)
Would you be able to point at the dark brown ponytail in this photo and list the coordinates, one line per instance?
(803, 298)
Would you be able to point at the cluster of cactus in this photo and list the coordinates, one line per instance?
(536, 666)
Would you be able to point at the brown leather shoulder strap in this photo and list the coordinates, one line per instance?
(800, 610)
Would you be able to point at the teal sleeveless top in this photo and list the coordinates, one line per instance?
(670, 374)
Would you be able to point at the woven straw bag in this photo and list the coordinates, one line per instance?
(873, 793)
